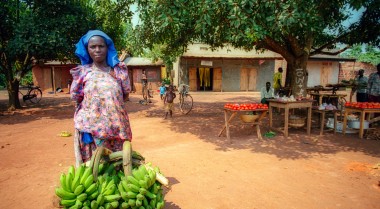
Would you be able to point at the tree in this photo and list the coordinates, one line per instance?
(35, 30)
(296, 29)
(363, 53)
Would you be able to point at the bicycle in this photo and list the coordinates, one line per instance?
(185, 99)
(33, 94)
(147, 91)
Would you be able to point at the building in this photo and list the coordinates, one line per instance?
(155, 72)
(233, 70)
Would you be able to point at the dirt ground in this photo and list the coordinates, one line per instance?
(205, 172)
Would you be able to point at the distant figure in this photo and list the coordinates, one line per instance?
(361, 89)
(144, 79)
(162, 90)
(266, 93)
(69, 85)
(168, 101)
(374, 86)
(277, 78)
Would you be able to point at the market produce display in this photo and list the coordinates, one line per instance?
(363, 105)
(245, 106)
(110, 187)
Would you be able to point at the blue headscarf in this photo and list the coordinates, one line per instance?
(83, 55)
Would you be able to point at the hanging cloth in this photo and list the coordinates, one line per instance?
(207, 77)
(201, 76)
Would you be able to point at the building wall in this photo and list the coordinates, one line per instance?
(231, 69)
(43, 77)
(315, 73)
(350, 69)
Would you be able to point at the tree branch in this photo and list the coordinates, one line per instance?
(336, 52)
(319, 50)
(294, 45)
(271, 44)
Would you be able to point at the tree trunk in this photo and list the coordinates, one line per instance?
(298, 80)
(13, 100)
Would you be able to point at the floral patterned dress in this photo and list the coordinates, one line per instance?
(101, 109)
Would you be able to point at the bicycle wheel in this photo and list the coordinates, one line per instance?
(186, 104)
(35, 95)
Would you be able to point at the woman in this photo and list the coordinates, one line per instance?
(100, 87)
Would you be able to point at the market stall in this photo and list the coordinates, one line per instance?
(256, 113)
(287, 105)
(363, 108)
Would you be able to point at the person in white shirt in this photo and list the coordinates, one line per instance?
(267, 92)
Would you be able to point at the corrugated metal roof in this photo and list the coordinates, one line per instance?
(141, 61)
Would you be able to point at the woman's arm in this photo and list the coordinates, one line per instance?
(77, 84)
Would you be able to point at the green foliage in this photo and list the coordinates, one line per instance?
(364, 53)
(166, 81)
(27, 79)
(35, 30)
(292, 28)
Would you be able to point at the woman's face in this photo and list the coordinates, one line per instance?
(97, 49)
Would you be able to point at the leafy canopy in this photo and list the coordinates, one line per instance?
(295, 28)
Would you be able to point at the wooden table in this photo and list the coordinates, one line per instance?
(230, 114)
(289, 105)
(320, 96)
(362, 112)
(322, 118)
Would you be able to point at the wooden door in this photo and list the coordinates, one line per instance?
(243, 79)
(252, 79)
(193, 78)
(217, 79)
(248, 79)
(325, 74)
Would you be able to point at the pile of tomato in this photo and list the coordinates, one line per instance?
(363, 105)
(245, 106)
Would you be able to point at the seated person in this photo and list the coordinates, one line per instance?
(267, 92)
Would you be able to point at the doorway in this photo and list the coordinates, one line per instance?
(201, 79)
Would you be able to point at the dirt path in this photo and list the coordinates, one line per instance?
(205, 172)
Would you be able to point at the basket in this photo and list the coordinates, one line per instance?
(296, 121)
(248, 118)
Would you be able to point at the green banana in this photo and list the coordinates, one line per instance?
(85, 175)
(94, 195)
(114, 204)
(92, 188)
(140, 196)
(94, 204)
(132, 180)
(150, 195)
(63, 194)
(111, 198)
(62, 180)
(120, 188)
(71, 171)
(132, 202)
(79, 189)
(125, 205)
(133, 188)
(68, 203)
(131, 195)
(82, 197)
(124, 196)
(69, 181)
(138, 203)
(89, 181)
(110, 190)
(100, 200)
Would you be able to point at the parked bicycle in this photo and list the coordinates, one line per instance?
(33, 94)
(185, 99)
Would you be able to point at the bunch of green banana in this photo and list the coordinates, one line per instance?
(141, 190)
(77, 188)
(108, 193)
